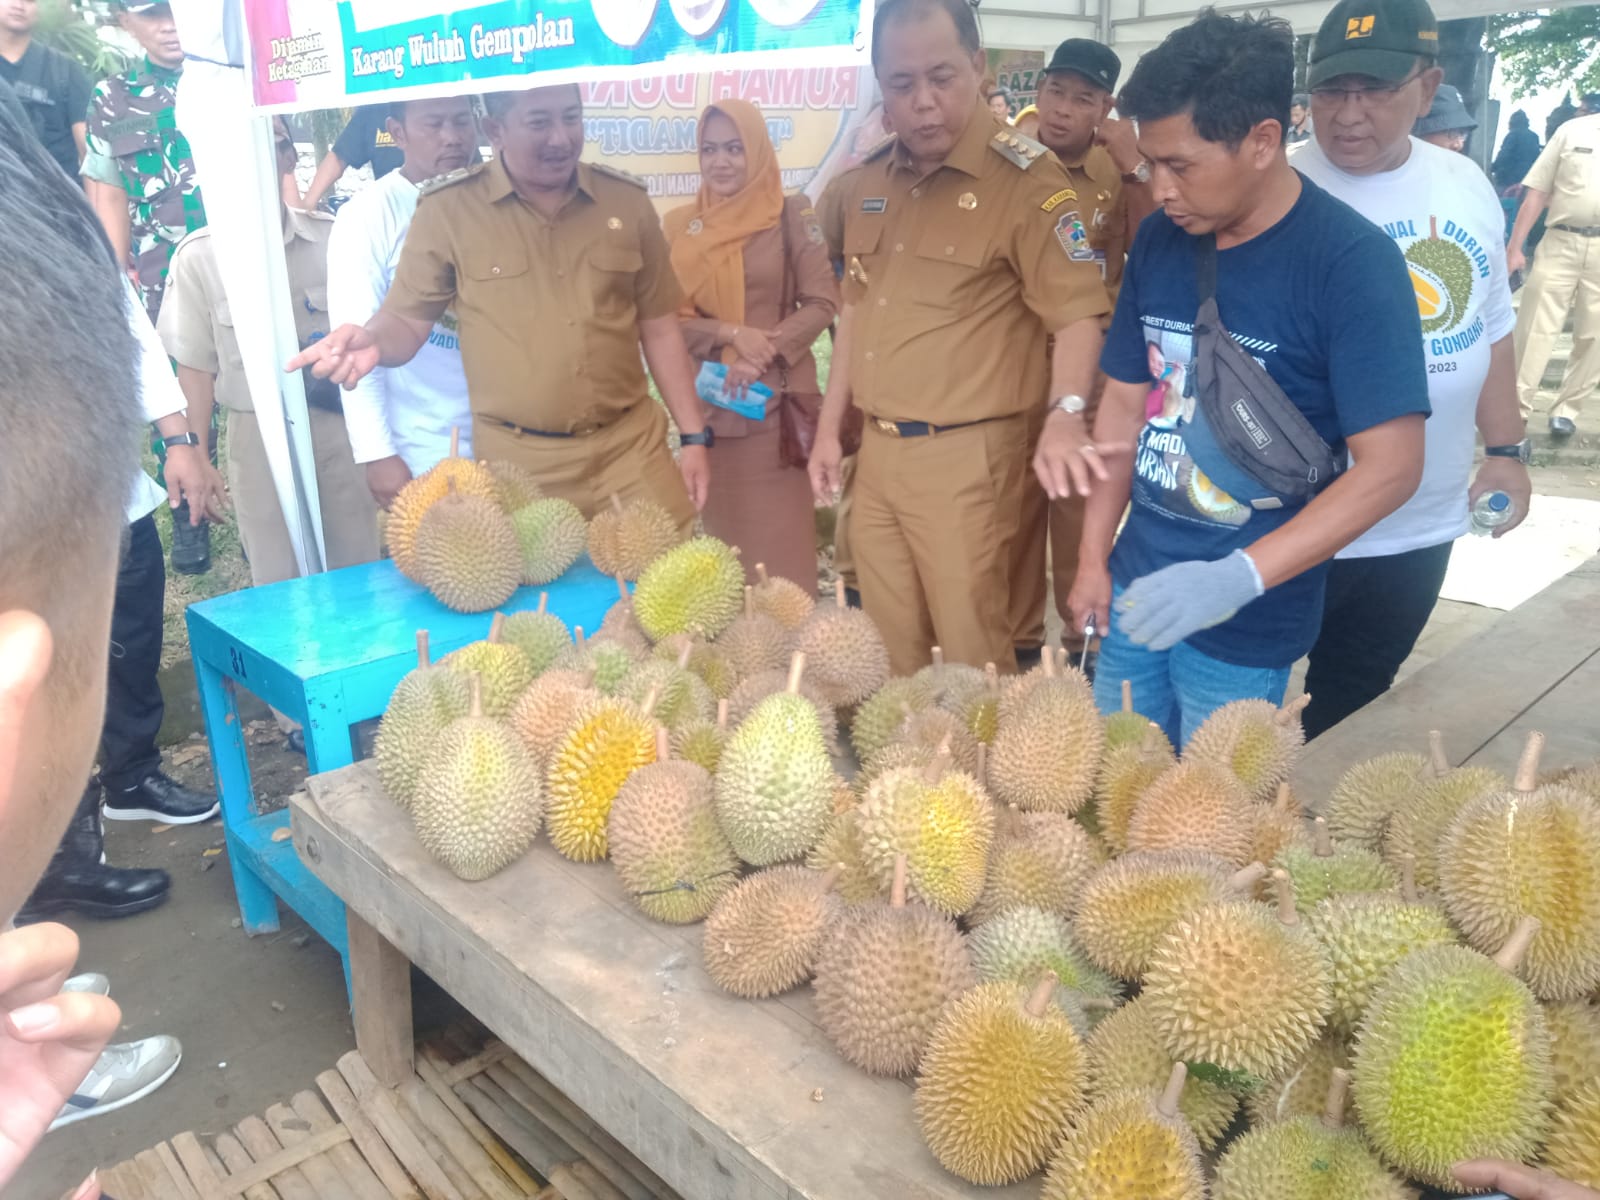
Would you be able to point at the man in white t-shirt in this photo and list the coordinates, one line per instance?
(400, 418)
(1442, 212)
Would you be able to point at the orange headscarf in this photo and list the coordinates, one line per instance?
(708, 236)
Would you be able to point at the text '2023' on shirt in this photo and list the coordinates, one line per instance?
(1322, 299)
(1444, 216)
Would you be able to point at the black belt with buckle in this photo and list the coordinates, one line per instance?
(912, 429)
(582, 429)
(1580, 230)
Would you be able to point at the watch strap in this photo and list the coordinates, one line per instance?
(1517, 450)
(704, 438)
(181, 439)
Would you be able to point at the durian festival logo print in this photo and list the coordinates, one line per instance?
(1441, 275)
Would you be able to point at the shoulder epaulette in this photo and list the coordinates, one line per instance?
(612, 172)
(191, 236)
(448, 179)
(880, 149)
(1020, 151)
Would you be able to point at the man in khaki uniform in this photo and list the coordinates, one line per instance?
(1566, 272)
(558, 273)
(1104, 167)
(961, 250)
(196, 327)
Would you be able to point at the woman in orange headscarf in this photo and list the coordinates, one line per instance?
(759, 289)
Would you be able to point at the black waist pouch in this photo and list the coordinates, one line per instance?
(1245, 433)
(320, 393)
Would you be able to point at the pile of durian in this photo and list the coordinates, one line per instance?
(472, 533)
(1148, 977)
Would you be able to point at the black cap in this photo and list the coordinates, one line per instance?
(1096, 63)
(1380, 38)
(1447, 113)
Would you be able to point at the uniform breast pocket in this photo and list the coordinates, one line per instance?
(486, 269)
(948, 263)
(863, 238)
(127, 139)
(613, 272)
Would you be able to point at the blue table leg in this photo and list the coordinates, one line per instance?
(258, 907)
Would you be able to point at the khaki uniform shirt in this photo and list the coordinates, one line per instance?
(196, 323)
(548, 307)
(1568, 168)
(1105, 213)
(958, 276)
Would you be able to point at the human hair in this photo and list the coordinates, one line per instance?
(1519, 120)
(1301, 100)
(498, 104)
(962, 12)
(1228, 74)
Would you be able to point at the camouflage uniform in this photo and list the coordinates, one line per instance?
(134, 144)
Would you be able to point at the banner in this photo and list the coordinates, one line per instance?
(326, 54)
(1018, 71)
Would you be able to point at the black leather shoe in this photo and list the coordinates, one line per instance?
(1029, 657)
(852, 598)
(191, 544)
(1562, 427)
(78, 881)
(160, 798)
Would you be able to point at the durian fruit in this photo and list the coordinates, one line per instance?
(1017, 688)
(1573, 1151)
(608, 741)
(505, 669)
(934, 728)
(1369, 792)
(1000, 1082)
(1574, 1044)
(785, 601)
(1046, 755)
(1020, 943)
(693, 588)
(517, 486)
(1364, 936)
(705, 660)
(544, 712)
(752, 691)
(1417, 825)
(1125, 771)
(1195, 805)
(1453, 1061)
(466, 552)
(1126, 1055)
(420, 707)
(1307, 1158)
(1038, 859)
(682, 698)
(950, 679)
(454, 473)
(540, 635)
(702, 742)
(978, 707)
(609, 663)
(892, 757)
(941, 821)
(1129, 905)
(763, 937)
(1130, 1145)
(1301, 1089)
(1324, 869)
(477, 805)
(1255, 739)
(551, 535)
(1532, 851)
(669, 851)
(840, 846)
(775, 782)
(1279, 827)
(1257, 1018)
(1129, 728)
(882, 715)
(884, 973)
(848, 658)
(755, 642)
(620, 625)
(627, 538)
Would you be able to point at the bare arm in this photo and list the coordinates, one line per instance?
(1120, 419)
(350, 352)
(826, 452)
(110, 204)
(1501, 424)
(1534, 203)
(200, 390)
(328, 172)
(671, 368)
(1075, 358)
(80, 138)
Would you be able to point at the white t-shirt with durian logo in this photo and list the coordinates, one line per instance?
(1442, 211)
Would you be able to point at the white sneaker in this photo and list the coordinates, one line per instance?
(95, 985)
(126, 1071)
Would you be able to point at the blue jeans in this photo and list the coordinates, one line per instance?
(1178, 688)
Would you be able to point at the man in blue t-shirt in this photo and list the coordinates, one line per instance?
(1205, 599)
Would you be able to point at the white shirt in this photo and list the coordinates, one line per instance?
(159, 396)
(407, 410)
(1442, 212)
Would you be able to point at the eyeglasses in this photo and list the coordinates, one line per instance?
(1365, 97)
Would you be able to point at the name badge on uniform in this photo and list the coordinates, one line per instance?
(1074, 238)
(875, 204)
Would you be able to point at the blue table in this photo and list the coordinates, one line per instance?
(327, 651)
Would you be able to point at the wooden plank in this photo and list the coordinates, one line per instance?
(460, 1178)
(236, 1159)
(433, 1115)
(477, 1064)
(428, 1069)
(1565, 715)
(1455, 695)
(156, 1180)
(592, 1178)
(373, 1148)
(256, 1137)
(712, 1093)
(540, 1148)
(515, 1083)
(184, 1189)
(124, 1181)
(380, 992)
(344, 1156)
(298, 1140)
(382, 1109)
(207, 1179)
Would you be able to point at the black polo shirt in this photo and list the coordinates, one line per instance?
(366, 140)
(55, 92)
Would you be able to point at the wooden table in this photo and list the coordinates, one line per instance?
(712, 1093)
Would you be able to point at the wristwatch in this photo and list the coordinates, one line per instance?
(1521, 451)
(706, 437)
(181, 439)
(1140, 174)
(1072, 404)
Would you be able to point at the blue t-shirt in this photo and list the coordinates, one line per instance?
(1324, 301)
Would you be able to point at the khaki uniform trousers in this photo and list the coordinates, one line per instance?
(1565, 275)
(628, 458)
(349, 514)
(931, 532)
(844, 562)
(1040, 519)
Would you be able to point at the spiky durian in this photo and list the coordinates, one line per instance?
(1364, 937)
(503, 667)
(1195, 806)
(453, 473)
(1255, 739)
(1326, 869)
(941, 821)
(782, 599)
(541, 636)
(466, 552)
(1416, 826)
(421, 706)
(1126, 1055)
(1130, 1145)
(550, 536)
(1368, 793)
(1039, 859)
(1047, 753)
(693, 588)
(624, 539)
(848, 658)
(763, 937)
(607, 741)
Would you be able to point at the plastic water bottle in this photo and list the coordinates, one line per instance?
(1492, 510)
